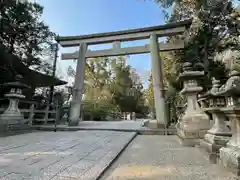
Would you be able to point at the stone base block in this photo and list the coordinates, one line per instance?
(201, 133)
(14, 128)
(210, 147)
(188, 141)
(186, 138)
(230, 158)
(160, 126)
(212, 144)
(74, 122)
(216, 139)
(12, 123)
(211, 150)
(190, 138)
(7, 118)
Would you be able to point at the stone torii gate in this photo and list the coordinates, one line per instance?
(152, 33)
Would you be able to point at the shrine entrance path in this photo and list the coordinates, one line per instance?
(84, 155)
(151, 157)
(79, 155)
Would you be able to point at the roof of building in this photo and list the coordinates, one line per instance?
(30, 77)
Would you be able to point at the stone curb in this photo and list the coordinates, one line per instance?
(116, 157)
(52, 128)
(139, 131)
(15, 133)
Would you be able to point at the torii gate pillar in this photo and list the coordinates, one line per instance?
(78, 88)
(158, 86)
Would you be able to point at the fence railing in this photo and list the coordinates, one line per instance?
(43, 113)
(33, 114)
(39, 113)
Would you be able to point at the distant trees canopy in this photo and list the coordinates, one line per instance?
(24, 37)
(24, 34)
(109, 82)
(215, 29)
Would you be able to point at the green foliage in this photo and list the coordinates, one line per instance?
(215, 29)
(111, 86)
(98, 110)
(127, 89)
(24, 34)
(149, 95)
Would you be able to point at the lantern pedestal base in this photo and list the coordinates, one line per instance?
(230, 158)
(189, 138)
(187, 141)
(73, 122)
(192, 127)
(212, 144)
(230, 155)
(11, 119)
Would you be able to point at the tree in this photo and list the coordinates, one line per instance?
(149, 95)
(24, 34)
(121, 86)
(213, 24)
(216, 33)
(215, 30)
(97, 100)
(110, 85)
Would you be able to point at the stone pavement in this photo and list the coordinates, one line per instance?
(124, 125)
(80, 155)
(162, 158)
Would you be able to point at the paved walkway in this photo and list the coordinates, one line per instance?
(124, 125)
(84, 155)
(162, 158)
(80, 155)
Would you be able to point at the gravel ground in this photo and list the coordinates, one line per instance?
(151, 157)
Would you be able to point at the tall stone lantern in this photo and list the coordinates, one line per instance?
(219, 134)
(194, 123)
(12, 115)
(230, 155)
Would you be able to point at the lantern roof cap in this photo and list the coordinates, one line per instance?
(16, 83)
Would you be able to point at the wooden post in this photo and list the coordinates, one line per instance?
(31, 114)
(46, 114)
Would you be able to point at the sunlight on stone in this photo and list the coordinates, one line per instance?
(38, 153)
(144, 171)
(4, 160)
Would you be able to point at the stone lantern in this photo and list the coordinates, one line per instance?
(230, 155)
(194, 123)
(219, 134)
(12, 115)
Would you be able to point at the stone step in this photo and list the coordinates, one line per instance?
(141, 131)
(43, 120)
(15, 129)
(157, 131)
(13, 133)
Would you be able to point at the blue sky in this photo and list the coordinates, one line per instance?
(78, 17)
